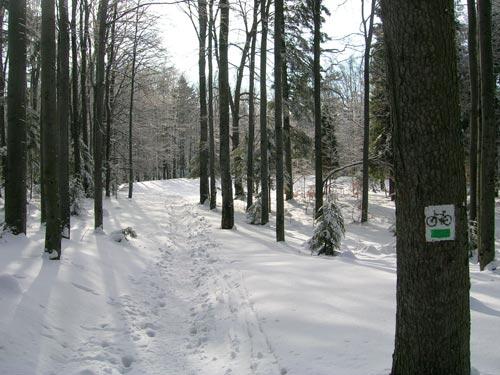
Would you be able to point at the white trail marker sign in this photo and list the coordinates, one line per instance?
(440, 223)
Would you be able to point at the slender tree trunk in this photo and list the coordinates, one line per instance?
(251, 109)
(368, 34)
(51, 131)
(264, 169)
(213, 187)
(489, 133)
(227, 191)
(278, 117)
(84, 26)
(15, 181)
(100, 48)
(131, 107)
(474, 108)
(287, 134)
(204, 156)
(433, 316)
(317, 108)
(75, 125)
(3, 139)
(110, 100)
(63, 111)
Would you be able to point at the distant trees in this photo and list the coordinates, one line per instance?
(432, 318)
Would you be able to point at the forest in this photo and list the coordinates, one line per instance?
(300, 203)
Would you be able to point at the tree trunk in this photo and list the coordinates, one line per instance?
(433, 316)
(227, 191)
(131, 107)
(15, 181)
(251, 108)
(75, 125)
(368, 34)
(3, 139)
(204, 156)
(286, 126)
(488, 142)
(278, 117)
(63, 97)
(100, 47)
(84, 27)
(474, 107)
(317, 108)
(264, 169)
(51, 131)
(213, 187)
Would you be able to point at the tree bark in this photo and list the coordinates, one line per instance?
(84, 27)
(278, 117)
(474, 107)
(213, 187)
(368, 34)
(488, 141)
(433, 316)
(63, 111)
(100, 47)
(15, 176)
(287, 131)
(75, 124)
(51, 131)
(264, 169)
(227, 191)
(317, 108)
(204, 156)
(3, 139)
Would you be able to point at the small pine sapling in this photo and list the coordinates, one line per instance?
(254, 212)
(76, 196)
(329, 229)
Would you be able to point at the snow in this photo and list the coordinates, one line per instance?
(186, 297)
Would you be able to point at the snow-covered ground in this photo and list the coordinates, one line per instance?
(186, 297)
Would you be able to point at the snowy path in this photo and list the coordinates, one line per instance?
(187, 298)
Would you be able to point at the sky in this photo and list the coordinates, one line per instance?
(180, 40)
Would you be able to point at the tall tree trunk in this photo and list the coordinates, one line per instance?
(3, 139)
(368, 34)
(278, 117)
(227, 191)
(251, 108)
(213, 187)
(318, 154)
(84, 27)
(433, 316)
(51, 131)
(264, 169)
(15, 181)
(131, 107)
(110, 99)
(474, 106)
(100, 48)
(75, 124)
(489, 133)
(63, 97)
(204, 156)
(287, 133)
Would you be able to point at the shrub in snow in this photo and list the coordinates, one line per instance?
(329, 229)
(76, 196)
(122, 234)
(254, 212)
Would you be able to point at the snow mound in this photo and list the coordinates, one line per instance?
(9, 285)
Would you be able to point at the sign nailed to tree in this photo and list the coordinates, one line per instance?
(440, 223)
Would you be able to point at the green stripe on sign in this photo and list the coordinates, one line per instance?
(440, 233)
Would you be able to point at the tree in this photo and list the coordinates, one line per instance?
(433, 316)
(488, 138)
(368, 34)
(15, 181)
(213, 187)
(3, 139)
(99, 110)
(202, 37)
(264, 169)
(317, 107)
(51, 133)
(278, 117)
(63, 108)
(75, 123)
(227, 191)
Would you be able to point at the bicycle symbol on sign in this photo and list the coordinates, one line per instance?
(438, 217)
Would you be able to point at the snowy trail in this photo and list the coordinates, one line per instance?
(186, 298)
